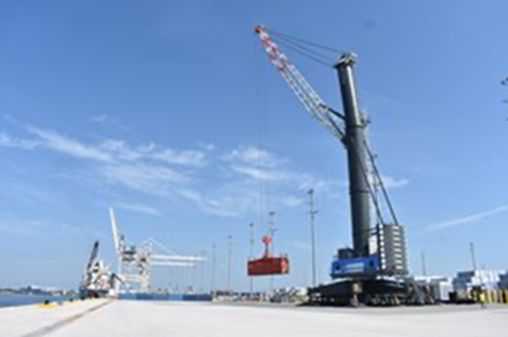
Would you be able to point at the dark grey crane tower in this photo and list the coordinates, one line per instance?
(354, 141)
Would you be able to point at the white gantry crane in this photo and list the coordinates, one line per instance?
(135, 263)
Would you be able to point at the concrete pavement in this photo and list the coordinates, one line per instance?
(139, 319)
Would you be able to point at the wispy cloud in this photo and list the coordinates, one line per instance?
(222, 183)
(138, 208)
(149, 179)
(33, 227)
(147, 168)
(253, 156)
(255, 173)
(8, 141)
(69, 146)
(122, 151)
(223, 205)
(391, 182)
(17, 227)
(465, 220)
(29, 194)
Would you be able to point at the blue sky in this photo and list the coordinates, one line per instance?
(166, 110)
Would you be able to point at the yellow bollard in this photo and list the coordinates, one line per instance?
(492, 296)
(505, 296)
(46, 306)
(481, 297)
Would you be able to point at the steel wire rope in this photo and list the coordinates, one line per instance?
(317, 57)
(381, 184)
(304, 41)
(350, 142)
(261, 121)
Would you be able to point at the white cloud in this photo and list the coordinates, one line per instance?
(254, 156)
(238, 183)
(469, 219)
(24, 227)
(255, 173)
(149, 179)
(120, 150)
(390, 182)
(185, 158)
(66, 145)
(138, 208)
(146, 168)
(223, 206)
(8, 141)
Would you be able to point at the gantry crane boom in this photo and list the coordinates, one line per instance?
(299, 85)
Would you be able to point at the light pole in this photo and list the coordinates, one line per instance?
(312, 213)
(473, 255)
(230, 257)
(202, 272)
(251, 257)
(424, 264)
(272, 231)
(212, 285)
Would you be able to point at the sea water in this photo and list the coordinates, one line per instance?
(9, 300)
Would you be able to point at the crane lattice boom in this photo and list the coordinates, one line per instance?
(303, 90)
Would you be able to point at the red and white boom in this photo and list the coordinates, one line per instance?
(302, 89)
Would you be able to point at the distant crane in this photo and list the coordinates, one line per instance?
(97, 277)
(134, 263)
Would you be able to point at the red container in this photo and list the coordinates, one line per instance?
(269, 266)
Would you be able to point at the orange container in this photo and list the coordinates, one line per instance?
(268, 266)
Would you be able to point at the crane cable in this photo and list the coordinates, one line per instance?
(299, 46)
(261, 122)
(305, 47)
(303, 51)
(381, 184)
(350, 143)
(304, 41)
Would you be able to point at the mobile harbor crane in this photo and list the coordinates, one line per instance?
(374, 270)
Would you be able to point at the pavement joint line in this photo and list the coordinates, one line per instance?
(64, 322)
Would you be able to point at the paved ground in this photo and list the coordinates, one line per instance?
(154, 319)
